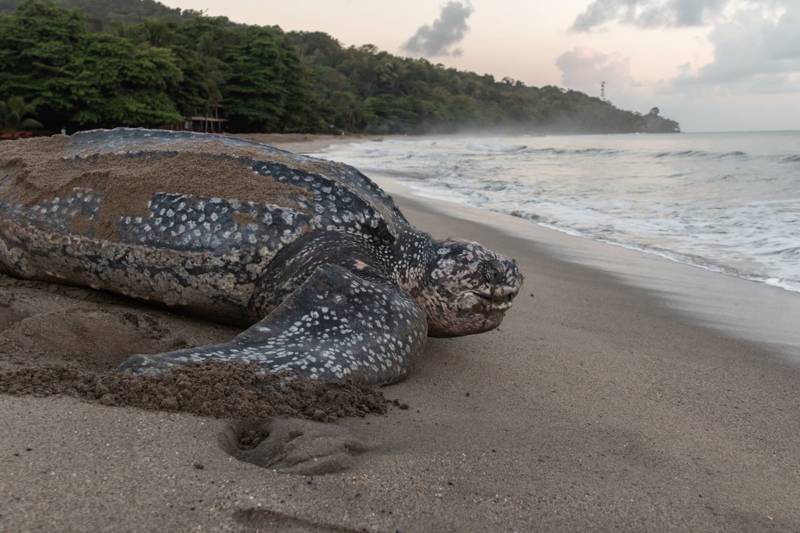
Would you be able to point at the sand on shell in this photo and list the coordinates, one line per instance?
(128, 182)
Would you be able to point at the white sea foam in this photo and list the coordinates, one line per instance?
(728, 203)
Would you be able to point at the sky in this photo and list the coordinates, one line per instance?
(713, 65)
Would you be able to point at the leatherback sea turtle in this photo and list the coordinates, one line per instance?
(332, 279)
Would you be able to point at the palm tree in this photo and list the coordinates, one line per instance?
(13, 116)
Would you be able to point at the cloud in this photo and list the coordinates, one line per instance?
(756, 43)
(756, 50)
(439, 38)
(751, 82)
(649, 13)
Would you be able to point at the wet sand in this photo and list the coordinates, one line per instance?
(595, 406)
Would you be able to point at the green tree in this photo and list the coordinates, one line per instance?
(122, 84)
(38, 44)
(266, 82)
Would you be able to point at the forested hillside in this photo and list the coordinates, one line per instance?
(105, 13)
(140, 63)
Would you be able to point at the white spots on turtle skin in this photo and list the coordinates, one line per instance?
(57, 214)
(214, 226)
(334, 206)
(319, 342)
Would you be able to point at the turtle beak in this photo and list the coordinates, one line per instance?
(506, 283)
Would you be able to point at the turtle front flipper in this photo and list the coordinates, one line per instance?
(337, 325)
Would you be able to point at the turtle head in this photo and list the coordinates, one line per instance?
(468, 288)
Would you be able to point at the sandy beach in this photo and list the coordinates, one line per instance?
(595, 406)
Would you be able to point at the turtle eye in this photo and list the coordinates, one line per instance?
(494, 272)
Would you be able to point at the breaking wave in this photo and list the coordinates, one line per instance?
(701, 154)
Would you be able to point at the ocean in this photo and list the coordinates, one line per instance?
(726, 202)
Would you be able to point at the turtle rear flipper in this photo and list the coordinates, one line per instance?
(337, 325)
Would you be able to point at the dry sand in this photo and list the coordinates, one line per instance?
(593, 407)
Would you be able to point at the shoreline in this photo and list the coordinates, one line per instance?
(593, 407)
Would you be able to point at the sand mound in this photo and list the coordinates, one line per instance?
(45, 324)
(213, 389)
(128, 182)
(57, 340)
